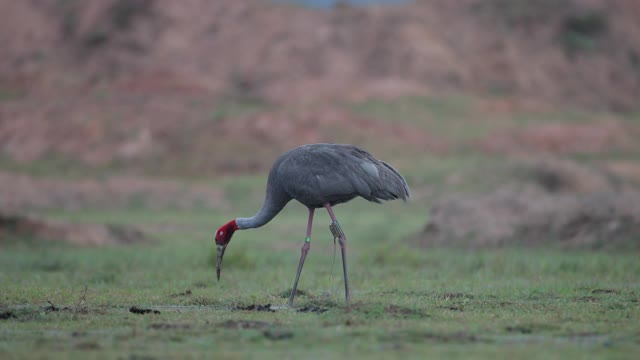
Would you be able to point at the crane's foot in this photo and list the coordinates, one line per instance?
(337, 232)
(343, 249)
(303, 255)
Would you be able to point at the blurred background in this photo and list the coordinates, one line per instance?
(514, 121)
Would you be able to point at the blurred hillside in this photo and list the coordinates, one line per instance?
(202, 87)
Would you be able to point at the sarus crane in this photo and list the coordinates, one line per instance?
(319, 176)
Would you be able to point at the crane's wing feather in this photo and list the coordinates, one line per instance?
(329, 173)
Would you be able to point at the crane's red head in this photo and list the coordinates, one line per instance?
(223, 236)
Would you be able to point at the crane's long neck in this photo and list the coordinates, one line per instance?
(274, 201)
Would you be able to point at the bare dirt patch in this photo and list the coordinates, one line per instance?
(276, 131)
(557, 176)
(514, 217)
(549, 203)
(12, 225)
(597, 137)
(347, 52)
(628, 169)
(135, 85)
(22, 192)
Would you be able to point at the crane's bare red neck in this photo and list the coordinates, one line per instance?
(225, 232)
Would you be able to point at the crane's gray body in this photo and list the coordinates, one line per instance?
(320, 174)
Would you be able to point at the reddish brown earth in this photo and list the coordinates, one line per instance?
(198, 87)
(19, 226)
(144, 84)
(593, 138)
(23, 193)
(547, 202)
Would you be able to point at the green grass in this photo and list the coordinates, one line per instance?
(406, 302)
(462, 118)
(446, 117)
(233, 108)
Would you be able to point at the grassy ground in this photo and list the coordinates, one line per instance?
(58, 301)
(406, 302)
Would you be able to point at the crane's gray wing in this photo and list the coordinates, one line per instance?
(329, 173)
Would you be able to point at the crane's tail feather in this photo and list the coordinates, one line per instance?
(394, 186)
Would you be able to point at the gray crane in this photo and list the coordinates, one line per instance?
(319, 175)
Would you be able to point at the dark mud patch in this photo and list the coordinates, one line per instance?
(169, 326)
(245, 324)
(278, 334)
(418, 336)
(312, 309)
(254, 307)
(530, 328)
(141, 311)
(454, 308)
(604, 291)
(6, 315)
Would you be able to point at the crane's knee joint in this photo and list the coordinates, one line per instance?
(306, 246)
(336, 230)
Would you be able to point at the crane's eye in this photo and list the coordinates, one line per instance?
(221, 233)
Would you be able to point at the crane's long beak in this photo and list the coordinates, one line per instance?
(221, 249)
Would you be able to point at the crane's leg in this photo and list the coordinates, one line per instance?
(303, 255)
(342, 240)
